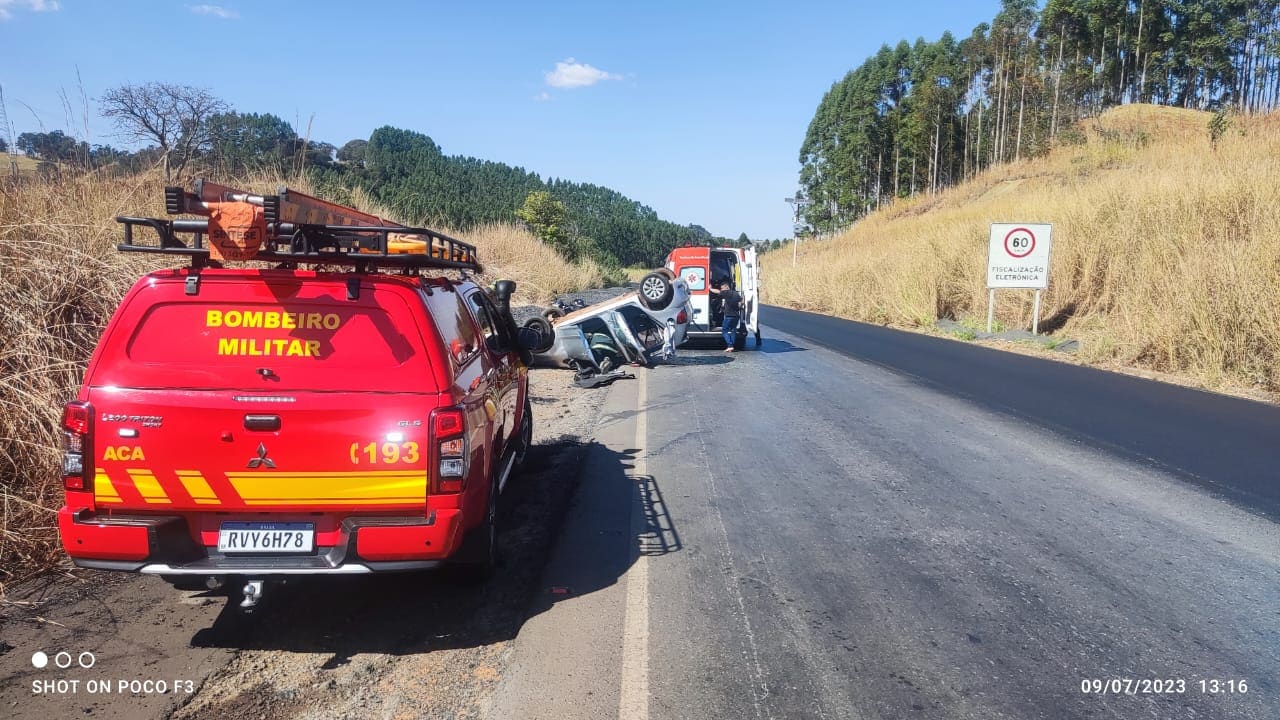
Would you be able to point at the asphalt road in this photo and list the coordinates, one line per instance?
(1228, 445)
(899, 526)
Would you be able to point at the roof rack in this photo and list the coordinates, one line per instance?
(291, 228)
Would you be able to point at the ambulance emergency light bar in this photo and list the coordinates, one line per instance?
(290, 227)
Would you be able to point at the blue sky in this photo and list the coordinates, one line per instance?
(696, 109)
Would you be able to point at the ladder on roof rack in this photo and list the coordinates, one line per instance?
(290, 227)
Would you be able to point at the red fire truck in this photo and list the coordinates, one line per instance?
(240, 424)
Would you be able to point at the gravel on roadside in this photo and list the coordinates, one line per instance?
(588, 297)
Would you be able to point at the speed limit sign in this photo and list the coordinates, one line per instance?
(1018, 255)
(1019, 242)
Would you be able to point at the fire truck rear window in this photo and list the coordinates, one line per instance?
(360, 339)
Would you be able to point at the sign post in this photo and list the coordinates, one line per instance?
(796, 204)
(1018, 257)
(991, 307)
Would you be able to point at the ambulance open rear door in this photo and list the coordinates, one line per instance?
(751, 292)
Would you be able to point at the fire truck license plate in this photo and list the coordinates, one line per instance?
(252, 537)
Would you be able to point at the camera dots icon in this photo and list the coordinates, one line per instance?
(63, 660)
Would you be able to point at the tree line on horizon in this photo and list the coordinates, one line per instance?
(182, 128)
(407, 171)
(919, 117)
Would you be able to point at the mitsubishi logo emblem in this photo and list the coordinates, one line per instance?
(262, 460)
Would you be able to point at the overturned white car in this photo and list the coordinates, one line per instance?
(630, 328)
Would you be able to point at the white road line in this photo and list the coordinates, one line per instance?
(633, 700)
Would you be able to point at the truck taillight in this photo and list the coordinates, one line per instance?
(77, 431)
(448, 435)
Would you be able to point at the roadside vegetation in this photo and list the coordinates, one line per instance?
(1166, 247)
(60, 279)
(919, 117)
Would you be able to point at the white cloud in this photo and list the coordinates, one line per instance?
(573, 74)
(8, 6)
(216, 11)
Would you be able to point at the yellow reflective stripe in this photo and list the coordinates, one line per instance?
(103, 490)
(323, 488)
(197, 487)
(258, 474)
(148, 487)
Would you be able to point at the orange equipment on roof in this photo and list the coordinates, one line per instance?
(238, 219)
(292, 227)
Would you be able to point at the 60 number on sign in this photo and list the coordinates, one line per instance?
(1020, 242)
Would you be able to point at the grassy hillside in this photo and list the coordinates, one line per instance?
(409, 173)
(24, 164)
(1166, 248)
(60, 279)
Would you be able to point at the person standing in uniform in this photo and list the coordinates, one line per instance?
(732, 309)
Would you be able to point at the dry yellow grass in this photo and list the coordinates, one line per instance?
(60, 279)
(1166, 250)
(23, 164)
(540, 273)
(634, 274)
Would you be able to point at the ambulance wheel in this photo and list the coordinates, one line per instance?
(656, 291)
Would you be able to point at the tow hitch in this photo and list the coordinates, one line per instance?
(252, 595)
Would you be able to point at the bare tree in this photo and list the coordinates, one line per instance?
(172, 116)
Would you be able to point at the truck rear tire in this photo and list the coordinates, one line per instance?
(477, 558)
(525, 436)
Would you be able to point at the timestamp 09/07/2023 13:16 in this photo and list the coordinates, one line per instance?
(1163, 686)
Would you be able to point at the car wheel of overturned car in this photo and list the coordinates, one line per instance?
(536, 335)
(656, 291)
